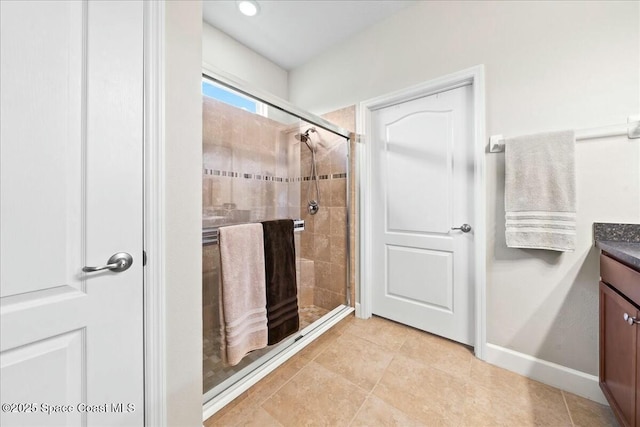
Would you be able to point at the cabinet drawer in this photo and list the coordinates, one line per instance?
(625, 279)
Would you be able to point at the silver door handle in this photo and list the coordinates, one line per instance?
(465, 228)
(630, 320)
(117, 263)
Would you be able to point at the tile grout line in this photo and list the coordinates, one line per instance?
(398, 352)
(395, 353)
(566, 405)
(360, 408)
(370, 393)
(259, 403)
(289, 380)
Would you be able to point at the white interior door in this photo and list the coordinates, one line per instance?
(422, 177)
(71, 108)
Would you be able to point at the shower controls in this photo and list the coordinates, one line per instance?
(465, 228)
(117, 263)
(313, 207)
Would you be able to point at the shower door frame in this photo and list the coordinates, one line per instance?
(293, 345)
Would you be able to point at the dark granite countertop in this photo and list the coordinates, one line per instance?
(622, 241)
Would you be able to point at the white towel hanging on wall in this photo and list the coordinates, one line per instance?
(540, 191)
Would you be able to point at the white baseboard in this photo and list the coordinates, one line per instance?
(571, 380)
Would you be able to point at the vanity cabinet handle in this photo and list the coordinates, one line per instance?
(630, 320)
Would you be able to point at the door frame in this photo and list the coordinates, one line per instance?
(155, 328)
(475, 77)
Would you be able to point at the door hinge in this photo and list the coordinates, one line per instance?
(144, 258)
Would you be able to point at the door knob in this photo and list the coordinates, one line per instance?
(630, 320)
(117, 263)
(465, 228)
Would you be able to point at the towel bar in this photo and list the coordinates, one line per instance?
(210, 234)
(631, 129)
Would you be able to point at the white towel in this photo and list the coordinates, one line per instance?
(243, 291)
(540, 191)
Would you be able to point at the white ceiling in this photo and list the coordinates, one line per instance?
(290, 32)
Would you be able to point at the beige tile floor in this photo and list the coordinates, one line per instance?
(378, 373)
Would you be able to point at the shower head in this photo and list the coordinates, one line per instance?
(304, 137)
(301, 137)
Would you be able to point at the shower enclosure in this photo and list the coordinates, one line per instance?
(264, 160)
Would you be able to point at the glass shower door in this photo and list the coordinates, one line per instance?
(257, 166)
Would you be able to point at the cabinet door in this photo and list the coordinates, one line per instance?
(637, 328)
(618, 348)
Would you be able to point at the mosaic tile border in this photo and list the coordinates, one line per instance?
(261, 177)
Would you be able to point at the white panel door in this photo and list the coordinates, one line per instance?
(422, 175)
(71, 181)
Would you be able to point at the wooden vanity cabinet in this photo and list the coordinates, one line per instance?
(620, 339)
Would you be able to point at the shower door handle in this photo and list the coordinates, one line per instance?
(465, 228)
(117, 263)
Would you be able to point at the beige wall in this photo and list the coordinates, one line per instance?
(226, 54)
(183, 207)
(549, 66)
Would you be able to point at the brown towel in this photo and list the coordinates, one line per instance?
(243, 293)
(282, 293)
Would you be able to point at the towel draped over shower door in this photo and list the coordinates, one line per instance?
(280, 274)
(243, 292)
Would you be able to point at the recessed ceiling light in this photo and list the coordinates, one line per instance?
(248, 7)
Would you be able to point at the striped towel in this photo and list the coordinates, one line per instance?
(540, 191)
(243, 291)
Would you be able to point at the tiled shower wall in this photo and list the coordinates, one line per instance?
(324, 240)
(246, 163)
(251, 172)
(346, 119)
